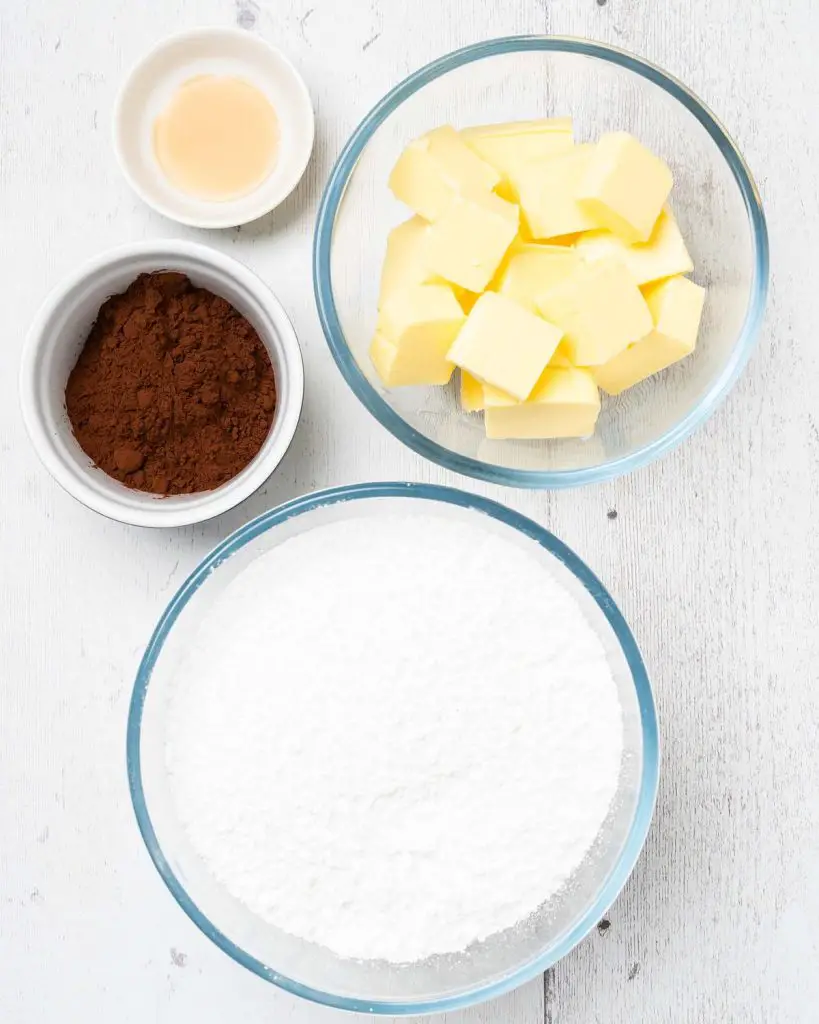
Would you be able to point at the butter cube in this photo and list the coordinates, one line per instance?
(564, 403)
(504, 345)
(676, 309)
(416, 328)
(505, 129)
(546, 192)
(600, 309)
(384, 356)
(432, 170)
(408, 366)
(532, 269)
(663, 255)
(471, 393)
(624, 187)
(406, 263)
(468, 241)
(507, 147)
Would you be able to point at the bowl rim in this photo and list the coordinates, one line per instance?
(222, 498)
(644, 809)
(383, 412)
(213, 220)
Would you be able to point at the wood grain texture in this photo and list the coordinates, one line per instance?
(713, 553)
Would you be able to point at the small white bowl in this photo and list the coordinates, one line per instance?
(148, 89)
(59, 332)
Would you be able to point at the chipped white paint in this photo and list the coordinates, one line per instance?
(713, 554)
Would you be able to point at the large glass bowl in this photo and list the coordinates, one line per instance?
(601, 88)
(487, 968)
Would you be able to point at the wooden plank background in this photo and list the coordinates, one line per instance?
(713, 553)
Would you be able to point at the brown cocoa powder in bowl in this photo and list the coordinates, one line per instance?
(173, 391)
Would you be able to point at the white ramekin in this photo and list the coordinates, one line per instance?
(59, 331)
(152, 83)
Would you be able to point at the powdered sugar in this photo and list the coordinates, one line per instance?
(394, 736)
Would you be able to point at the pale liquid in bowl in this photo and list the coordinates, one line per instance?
(218, 138)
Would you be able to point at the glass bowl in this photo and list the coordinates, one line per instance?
(485, 969)
(602, 89)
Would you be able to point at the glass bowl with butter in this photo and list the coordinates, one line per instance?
(541, 262)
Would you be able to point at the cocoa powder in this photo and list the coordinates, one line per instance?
(173, 391)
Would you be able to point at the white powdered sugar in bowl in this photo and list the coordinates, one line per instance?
(394, 736)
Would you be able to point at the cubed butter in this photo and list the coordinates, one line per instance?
(384, 356)
(503, 129)
(405, 263)
(663, 255)
(434, 169)
(624, 186)
(564, 403)
(541, 269)
(471, 393)
(600, 309)
(676, 309)
(416, 328)
(409, 365)
(507, 147)
(504, 345)
(532, 269)
(546, 192)
(469, 240)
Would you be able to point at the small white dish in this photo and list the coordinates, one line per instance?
(151, 85)
(59, 332)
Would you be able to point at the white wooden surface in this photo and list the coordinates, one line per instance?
(713, 554)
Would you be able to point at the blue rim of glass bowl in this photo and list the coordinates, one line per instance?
(369, 396)
(648, 717)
